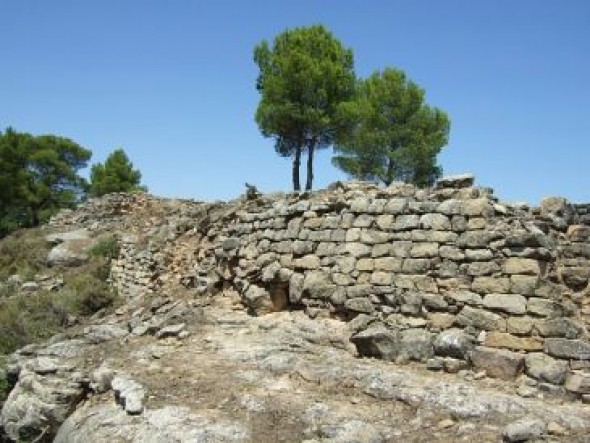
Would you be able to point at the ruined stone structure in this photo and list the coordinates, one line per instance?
(447, 279)
(449, 276)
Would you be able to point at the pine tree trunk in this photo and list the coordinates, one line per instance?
(389, 174)
(309, 182)
(296, 164)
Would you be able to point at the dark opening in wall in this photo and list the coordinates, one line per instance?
(279, 296)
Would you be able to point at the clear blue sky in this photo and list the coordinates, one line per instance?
(172, 82)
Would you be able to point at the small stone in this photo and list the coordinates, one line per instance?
(528, 428)
(435, 364)
(480, 375)
(445, 424)
(554, 428)
(170, 331)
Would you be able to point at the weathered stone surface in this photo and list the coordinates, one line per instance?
(435, 222)
(455, 181)
(377, 341)
(523, 284)
(542, 367)
(477, 207)
(453, 343)
(528, 428)
(520, 325)
(564, 348)
(495, 339)
(480, 319)
(497, 363)
(307, 262)
(451, 252)
(465, 297)
(544, 307)
(129, 394)
(416, 344)
(71, 247)
(257, 299)
(559, 327)
(440, 320)
(528, 266)
(486, 285)
(382, 278)
(406, 222)
(482, 268)
(358, 249)
(578, 233)
(578, 382)
(360, 304)
(171, 331)
(37, 405)
(511, 303)
(422, 250)
(317, 284)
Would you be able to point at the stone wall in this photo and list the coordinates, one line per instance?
(449, 276)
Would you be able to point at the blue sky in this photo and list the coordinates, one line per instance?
(172, 82)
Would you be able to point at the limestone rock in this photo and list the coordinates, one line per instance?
(480, 319)
(510, 303)
(527, 266)
(564, 348)
(495, 339)
(578, 382)
(417, 344)
(528, 428)
(455, 181)
(377, 341)
(360, 304)
(497, 363)
(453, 343)
(559, 327)
(129, 394)
(542, 367)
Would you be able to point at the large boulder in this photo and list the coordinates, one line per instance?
(70, 248)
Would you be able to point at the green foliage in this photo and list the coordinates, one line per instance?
(30, 317)
(305, 79)
(27, 319)
(115, 175)
(397, 136)
(108, 248)
(38, 176)
(23, 253)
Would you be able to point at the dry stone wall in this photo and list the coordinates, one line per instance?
(448, 276)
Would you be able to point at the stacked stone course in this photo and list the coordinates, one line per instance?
(447, 276)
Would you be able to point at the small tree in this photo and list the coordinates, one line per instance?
(397, 136)
(305, 78)
(38, 176)
(115, 175)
